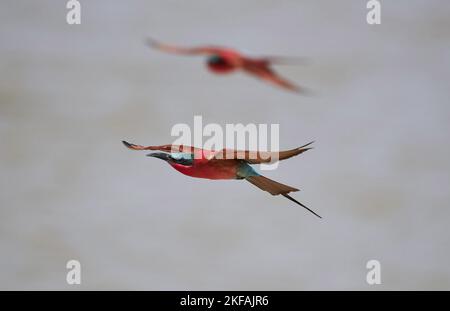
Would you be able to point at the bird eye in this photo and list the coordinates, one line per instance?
(182, 159)
(215, 59)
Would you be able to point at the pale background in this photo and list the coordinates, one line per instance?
(379, 173)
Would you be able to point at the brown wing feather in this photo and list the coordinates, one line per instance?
(202, 50)
(165, 148)
(255, 157)
(264, 72)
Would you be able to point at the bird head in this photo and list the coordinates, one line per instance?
(160, 155)
(216, 59)
(219, 64)
(173, 158)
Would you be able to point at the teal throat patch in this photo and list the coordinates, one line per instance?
(245, 170)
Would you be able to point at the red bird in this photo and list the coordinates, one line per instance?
(224, 60)
(224, 164)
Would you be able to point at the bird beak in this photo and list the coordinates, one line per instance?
(159, 155)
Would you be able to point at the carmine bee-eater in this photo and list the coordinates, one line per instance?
(222, 60)
(224, 164)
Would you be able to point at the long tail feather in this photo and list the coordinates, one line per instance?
(276, 188)
(302, 205)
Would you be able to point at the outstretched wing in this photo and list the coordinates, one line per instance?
(165, 148)
(201, 50)
(251, 157)
(258, 157)
(265, 73)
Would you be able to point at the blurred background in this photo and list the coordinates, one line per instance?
(379, 172)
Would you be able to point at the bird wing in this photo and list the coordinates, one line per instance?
(201, 50)
(251, 157)
(165, 148)
(265, 73)
(257, 157)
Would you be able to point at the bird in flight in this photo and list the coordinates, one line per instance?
(222, 60)
(225, 164)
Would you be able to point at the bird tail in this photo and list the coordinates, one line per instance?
(269, 185)
(276, 188)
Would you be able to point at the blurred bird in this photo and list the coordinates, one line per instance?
(224, 60)
(225, 164)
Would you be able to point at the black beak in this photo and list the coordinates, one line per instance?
(160, 155)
